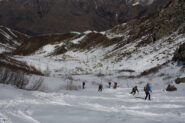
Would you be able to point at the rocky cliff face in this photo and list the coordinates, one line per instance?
(51, 16)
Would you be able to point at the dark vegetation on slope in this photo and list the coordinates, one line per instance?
(180, 80)
(94, 40)
(180, 53)
(91, 40)
(34, 43)
(155, 26)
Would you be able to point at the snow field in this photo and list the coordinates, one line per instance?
(110, 106)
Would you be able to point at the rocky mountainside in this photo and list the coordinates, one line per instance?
(51, 16)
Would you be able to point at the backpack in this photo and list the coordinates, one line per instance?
(144, 88)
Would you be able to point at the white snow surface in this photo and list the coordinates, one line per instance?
(90, 106)
(47, 49)
(135, 4)
(76, 41)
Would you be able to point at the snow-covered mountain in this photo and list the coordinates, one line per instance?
(131, 50)
(133, 53)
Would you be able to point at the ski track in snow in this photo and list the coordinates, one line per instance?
(110, 106)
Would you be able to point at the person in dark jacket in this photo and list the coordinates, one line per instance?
(109, 84)
(148, 90)
(134, 90)
(100, 88)
(83, 85)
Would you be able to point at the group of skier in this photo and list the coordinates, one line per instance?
(115, 85)
(147, 89)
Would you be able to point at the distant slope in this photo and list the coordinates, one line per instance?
(61, 16)
(10, 39)
(17, 66)
(17, 73)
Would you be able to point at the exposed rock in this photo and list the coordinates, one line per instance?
(180, 80)
(171, 88)
(180, 53)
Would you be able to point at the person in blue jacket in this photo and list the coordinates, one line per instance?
(148, 90)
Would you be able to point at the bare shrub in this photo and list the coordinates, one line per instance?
(168, 77)
(152, 70)
(100, 74)
(18, 79)
(13, 78)
(95, 83)
(37, 84)
(126, 70)
(141, 82)
(72, 86)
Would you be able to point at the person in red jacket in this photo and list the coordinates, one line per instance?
(115, 85)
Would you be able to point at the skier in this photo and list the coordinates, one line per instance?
(148, 90)
(109, 84)
(83, 85)
(115, 85)
(134, 89)
(100, 88)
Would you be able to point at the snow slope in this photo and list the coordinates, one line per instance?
(103, 59)
(100, 64)
(110, 106)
